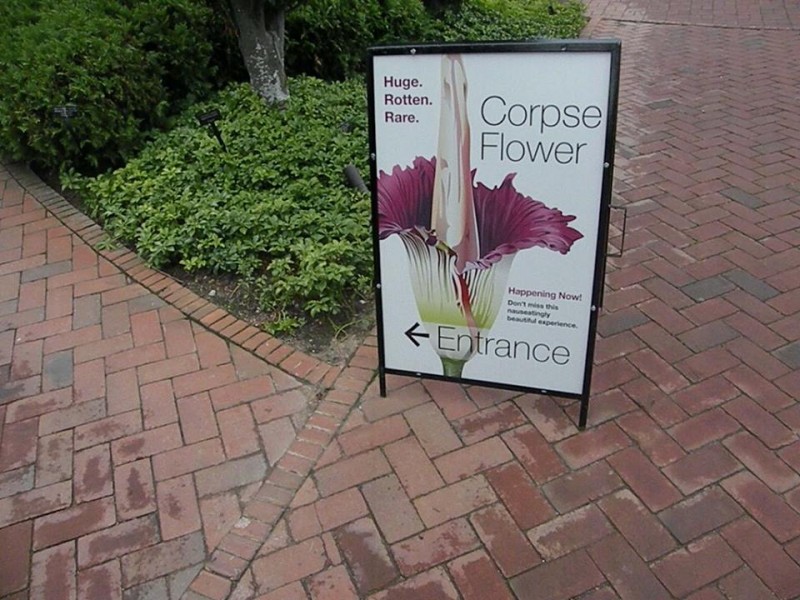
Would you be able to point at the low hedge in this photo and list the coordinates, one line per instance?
(129, 65)
(329, 38)
(125, 64)
(512, 20)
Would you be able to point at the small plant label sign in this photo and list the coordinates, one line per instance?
(491, 178)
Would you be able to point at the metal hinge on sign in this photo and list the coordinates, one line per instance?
(621, 247)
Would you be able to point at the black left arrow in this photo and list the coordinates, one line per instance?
(412, 334)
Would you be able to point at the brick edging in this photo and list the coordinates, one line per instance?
(235, 553)
(300, 365)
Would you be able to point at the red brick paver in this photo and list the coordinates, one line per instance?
(160, 449)
(128, 442)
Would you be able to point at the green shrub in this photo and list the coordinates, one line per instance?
(16, 13)
(512, 20)
(436, 7)
(125, 64)
(273, 209)
(329, 38)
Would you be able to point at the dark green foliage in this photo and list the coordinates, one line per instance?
(512, 20)
(125, 63)
(329, 38)
(15, 13)
(275, 207)
(226, 56)
(130, 64)
(436, 7)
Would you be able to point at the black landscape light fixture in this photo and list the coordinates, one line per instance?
(353, 178)
(209, 119)
(66, 112)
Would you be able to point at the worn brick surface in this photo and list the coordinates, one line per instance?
(135, 440)
(342, 508)
(707, 465)
(504, 541)
(367, 556)
(392, 509)
(768, 508)
(626, 570)
(569, 532)
(16, 541)
(560, 579)
(765, 557)
(701, 513)
(97, 458)
(637, 524)
(434, 546)
(454, 500)
(476, 577)
(698, 564)
(433, 584)
(520, 495)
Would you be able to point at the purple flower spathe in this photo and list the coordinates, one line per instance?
(405, 197)
(507, 221)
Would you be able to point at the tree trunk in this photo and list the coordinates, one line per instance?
(261, 42)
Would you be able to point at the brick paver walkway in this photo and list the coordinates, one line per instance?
(153, 447)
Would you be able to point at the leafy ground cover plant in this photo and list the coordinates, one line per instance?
(274, 209)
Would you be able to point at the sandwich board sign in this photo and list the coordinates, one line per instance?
(491, 173)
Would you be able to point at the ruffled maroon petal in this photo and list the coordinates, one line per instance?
(509, 221)
(405, 197)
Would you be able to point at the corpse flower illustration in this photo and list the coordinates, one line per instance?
(461, 236)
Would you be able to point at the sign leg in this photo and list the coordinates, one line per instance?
(584, 414)
(382, 382)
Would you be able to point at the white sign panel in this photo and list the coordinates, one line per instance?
(491, 179)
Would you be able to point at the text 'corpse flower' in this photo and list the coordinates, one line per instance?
(461, 236)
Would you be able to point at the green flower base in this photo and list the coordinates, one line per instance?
(452, 368)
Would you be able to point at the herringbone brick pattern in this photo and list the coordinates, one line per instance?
(128, 470)
(131, 437)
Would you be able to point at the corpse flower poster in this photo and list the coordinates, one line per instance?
(491, 187)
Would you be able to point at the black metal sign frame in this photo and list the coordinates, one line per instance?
(415, 336)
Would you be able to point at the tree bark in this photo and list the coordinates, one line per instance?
(261, 32)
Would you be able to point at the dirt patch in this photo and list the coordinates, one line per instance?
(330, 340)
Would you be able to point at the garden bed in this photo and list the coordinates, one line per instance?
(266, 227)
